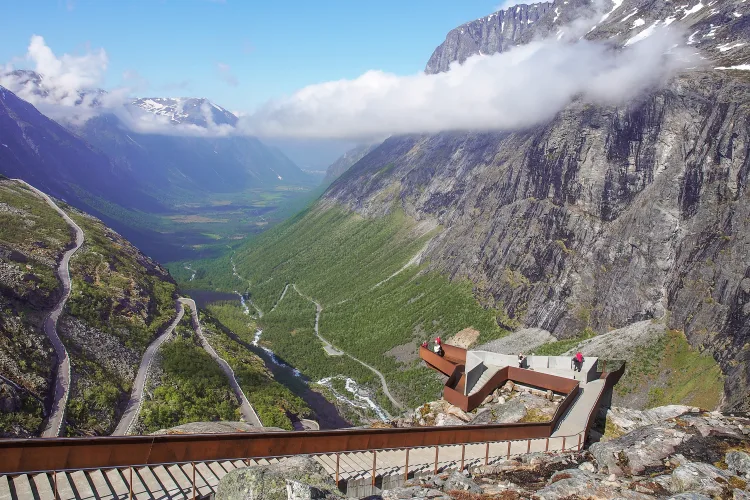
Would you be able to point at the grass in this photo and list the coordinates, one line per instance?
(672, 372)
(344, 261)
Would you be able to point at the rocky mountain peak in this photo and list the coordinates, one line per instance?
(187, 110)
(720, 31)
(487, 35)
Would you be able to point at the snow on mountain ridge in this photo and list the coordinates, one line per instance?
(187, 110)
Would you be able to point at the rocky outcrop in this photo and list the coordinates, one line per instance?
(214, 428)
(298, 477)
(524, 341)
(344, 163)
(671, 459)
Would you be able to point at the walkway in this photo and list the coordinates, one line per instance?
(175, 481)
(62, 380)
(577, 417)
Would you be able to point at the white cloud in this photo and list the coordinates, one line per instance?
(522, 87)
(225, 73)
(62, 92)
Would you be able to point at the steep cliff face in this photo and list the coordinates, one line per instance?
(494, 33)
(605, 215)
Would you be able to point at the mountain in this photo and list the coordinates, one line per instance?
(344, 163)
(603, 217)
(488, 35)
(41, 151)
(185, 185)
(200, 112)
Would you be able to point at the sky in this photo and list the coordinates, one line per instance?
(325, 70)
(238, 53)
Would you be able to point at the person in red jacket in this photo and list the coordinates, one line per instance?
(578, 361)
(439, 347)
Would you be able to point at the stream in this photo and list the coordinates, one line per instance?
(359, 397)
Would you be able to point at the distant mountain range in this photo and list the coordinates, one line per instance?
(188, 153)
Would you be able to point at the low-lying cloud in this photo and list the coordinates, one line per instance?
(519, 88)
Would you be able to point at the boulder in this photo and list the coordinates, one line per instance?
(458, 413)
(444, 419)
(572, 483)
(458, 481)
(510, 412)
(689, 496)
(738, 462)
(301, 476)
(629, 419)
(634, 452)
(699, 477)
(413, 492)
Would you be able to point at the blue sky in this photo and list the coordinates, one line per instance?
(237, 53)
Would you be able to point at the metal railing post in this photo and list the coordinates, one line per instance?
(546, 445)
(563, 443)
(54, 479)
(487, 454)
(436, 458)
(508, 450)
(463, 454)
(338, 461)
(406, 466)
(528, 446)
(130, 484)
(374, 462)
(579, 442)
(194, 496)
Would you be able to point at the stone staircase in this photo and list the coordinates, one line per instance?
(484, 378)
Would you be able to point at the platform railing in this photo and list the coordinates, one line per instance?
(491, 452)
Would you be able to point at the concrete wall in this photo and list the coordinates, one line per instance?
(474, 368)
(555, 365)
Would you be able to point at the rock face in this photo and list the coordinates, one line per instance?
(337, 168)
(214, 428)
(494, 33)
(606, 215)
(297, 477)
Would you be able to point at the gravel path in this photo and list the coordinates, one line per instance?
(136, 395)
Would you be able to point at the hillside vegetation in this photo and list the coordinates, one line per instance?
(120, 300)
(373, 302)
(271, 400)
(186, 385)
(33, 238)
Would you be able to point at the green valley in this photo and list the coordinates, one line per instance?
(378, 303)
